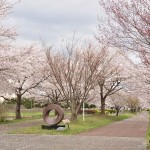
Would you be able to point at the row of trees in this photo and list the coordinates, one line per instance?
(127, 25)
(78, 73)
(72, 76)
(125, 101)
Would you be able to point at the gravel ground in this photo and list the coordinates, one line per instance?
(47, 142)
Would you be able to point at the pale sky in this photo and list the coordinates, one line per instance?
(55, 20)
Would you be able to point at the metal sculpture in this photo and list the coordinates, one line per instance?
(53, 121)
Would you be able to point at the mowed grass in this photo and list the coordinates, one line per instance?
(91, 121)
(27, 114)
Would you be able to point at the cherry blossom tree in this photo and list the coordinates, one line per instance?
(138, 84)
(127, 25)
(49, 93)
(74, 73)
(7, 33)
(109, 79)
(26, 72)
(118, 100)
(133, 103)
(112, 76)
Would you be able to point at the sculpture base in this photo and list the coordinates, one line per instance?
(52, 127)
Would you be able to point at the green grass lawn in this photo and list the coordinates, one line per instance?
(27, 114)
(91, 121)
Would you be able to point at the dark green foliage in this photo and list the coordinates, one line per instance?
(28, 103)
(86, 105)
(110, 111)
(92, 106)
(11, 101)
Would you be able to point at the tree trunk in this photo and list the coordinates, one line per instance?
(74, 117)
(18, 105)
(103, 106)
(74, 111)
(117, 112)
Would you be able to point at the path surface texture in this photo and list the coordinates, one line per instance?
(128, 134)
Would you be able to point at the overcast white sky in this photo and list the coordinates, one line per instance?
(55, 20)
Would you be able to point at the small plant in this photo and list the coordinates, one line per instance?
(109, 111)
(97, 111)
(92, 106)
(28, 103)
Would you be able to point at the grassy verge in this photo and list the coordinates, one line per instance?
(91, 121)
(148, 135)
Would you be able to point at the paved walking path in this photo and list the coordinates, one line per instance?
(47, 142)
(124, 135)
(133, 127)
(5, 128)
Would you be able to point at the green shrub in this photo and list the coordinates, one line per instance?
(110, 111)
(89, 111)
(86, 105)
(92, 106)
(97, 111)
(27, 103)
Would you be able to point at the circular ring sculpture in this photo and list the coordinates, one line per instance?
(53, 121)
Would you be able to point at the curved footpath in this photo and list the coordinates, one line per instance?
(128, 134)
(132, 127)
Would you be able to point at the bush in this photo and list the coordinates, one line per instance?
(110, 111)
(11, 101)
(2, 113)
(86, 105)
(90, 111)
(97, 111)
(92, 106)
(27, 103)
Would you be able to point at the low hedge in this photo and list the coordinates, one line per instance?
(97, 111)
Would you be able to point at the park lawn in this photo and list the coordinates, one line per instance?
(91, 121)
(26, 116)
(26, 113)
(31, 113)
